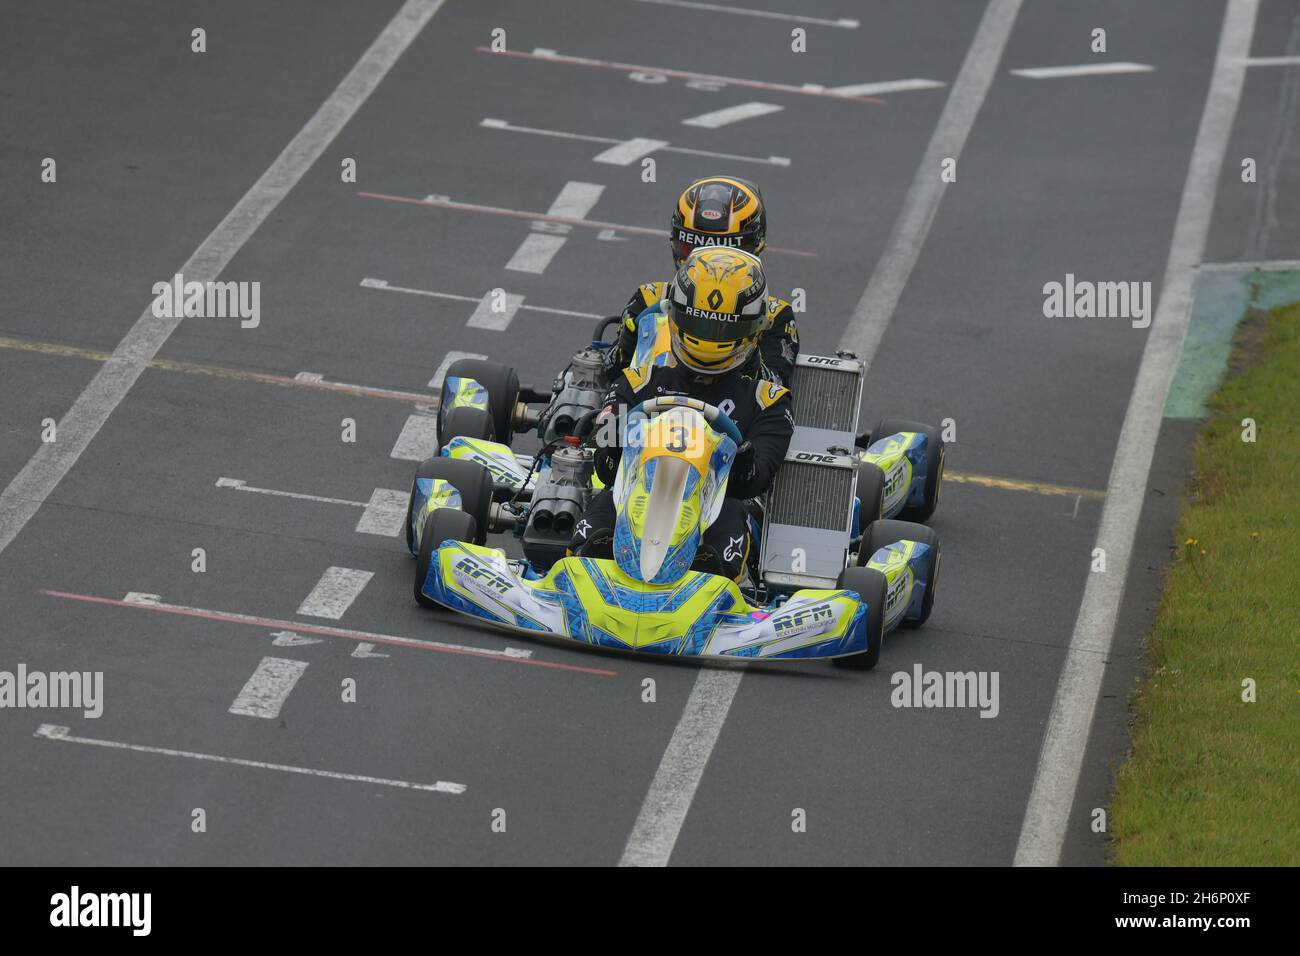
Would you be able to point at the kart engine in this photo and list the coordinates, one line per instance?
(558, 502)
(579, 389)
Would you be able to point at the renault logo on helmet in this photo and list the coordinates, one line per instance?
(715, 299)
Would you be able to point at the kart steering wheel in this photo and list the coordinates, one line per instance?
(715, 416)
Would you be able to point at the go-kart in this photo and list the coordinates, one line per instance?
(832, 573)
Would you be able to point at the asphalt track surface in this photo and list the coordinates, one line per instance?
(156, 144)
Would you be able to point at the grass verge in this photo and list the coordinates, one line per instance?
(1213, 780)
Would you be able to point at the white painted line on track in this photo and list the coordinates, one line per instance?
(575, 200)
(366, 649)
(53, 732)
(1082, 69)
(444, 203)
(79, 425)
(381, 284)
(887, 86)
(152, 602)
(553, 57)
(334, 592)
(487, 316)
(385, 513)
(440, 373)
(418, 440)
(1269, 265)
(1069, 724)
(268, 688)
(629, 151)
(290, 639)
(317, 380)
(238, 484)
(842, 23)
(874, 310)
(664, 147)
(732, 114)
(535, 253)
(1273, 61)
(673, 788)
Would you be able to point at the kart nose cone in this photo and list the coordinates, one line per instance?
(661, 514)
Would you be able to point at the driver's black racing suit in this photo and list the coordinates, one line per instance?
(773, 360)
(761, 411)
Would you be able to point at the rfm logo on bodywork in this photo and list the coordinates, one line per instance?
(482, 574)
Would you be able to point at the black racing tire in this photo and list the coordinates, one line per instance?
(889, 530)
(472, 480)
(934, 458)
(871, 586)
(502, 384)
(443, 523)
(871, 494)
(465, 422)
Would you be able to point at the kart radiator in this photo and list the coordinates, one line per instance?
(826, 397)
(812, 496)
(809, 511)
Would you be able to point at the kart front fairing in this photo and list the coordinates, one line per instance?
(592, 601)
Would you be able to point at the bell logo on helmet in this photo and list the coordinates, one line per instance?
(710, 214)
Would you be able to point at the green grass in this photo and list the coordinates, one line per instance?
(1211, 780)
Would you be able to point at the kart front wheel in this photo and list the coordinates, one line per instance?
(442, 523)
(871, 586)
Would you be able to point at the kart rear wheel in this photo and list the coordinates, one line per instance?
(886, 532)
(871, 494)
(934, 455)
(442, 524)
(871, 586)
(502, 386)
(465, 422)
(472, 480)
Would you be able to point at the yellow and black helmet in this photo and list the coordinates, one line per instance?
(718, 307)
(719, 211)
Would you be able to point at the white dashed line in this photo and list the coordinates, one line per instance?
(268, 688)
(440, 374)
(535, 253)
(629, 151)
(418, 440)
(334, 592)
(495, 311)
(366, 649)
(575, 200)
(610, 140)
(842, 23)
(732, 114)
(538, 249)
(79, 425)
(53, 732)
(1083, 69)
(385, 513)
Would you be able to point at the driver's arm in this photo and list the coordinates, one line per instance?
(619, 397)
(768, 437)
